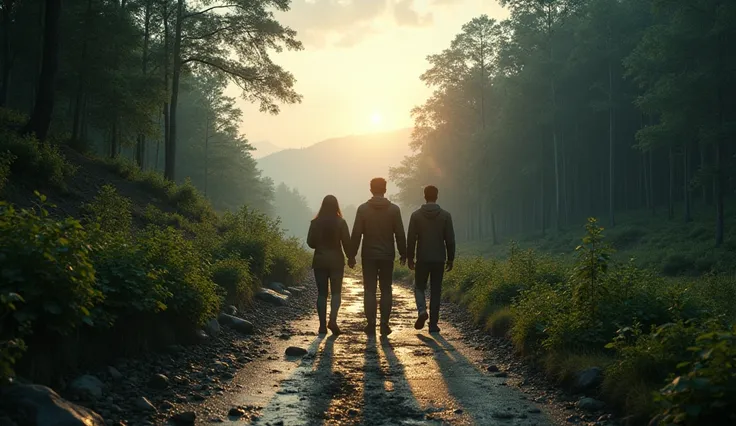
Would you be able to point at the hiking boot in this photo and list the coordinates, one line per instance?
(370, 329)
(385, 330)
(433, 328)
(419, 324)
(334, 328)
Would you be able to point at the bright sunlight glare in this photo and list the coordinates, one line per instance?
(376, 118)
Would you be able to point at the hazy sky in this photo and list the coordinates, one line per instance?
(360, 67)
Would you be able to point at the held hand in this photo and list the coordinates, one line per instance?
(449, 267)
(402, 261)
(410, 263)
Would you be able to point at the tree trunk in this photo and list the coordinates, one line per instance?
(611, 182)
(140, 152)
(43, 109)
(6, 58)
(494, 237)
(651, 185)
(671, 200)
(206, 150)
(170, 164)
(686, 182)
(719, 193)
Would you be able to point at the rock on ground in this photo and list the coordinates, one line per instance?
(588, 379)
(237, 324)
(212, 328)
(41, 406)
(272, 297)
(295, 351)
(590, 404)
(186, 418)
(87, 387)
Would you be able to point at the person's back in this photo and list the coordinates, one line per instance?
(432, 234)
(432, 228)
(378, 223)
(329, 237)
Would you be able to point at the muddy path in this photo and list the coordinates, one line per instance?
(408, 378)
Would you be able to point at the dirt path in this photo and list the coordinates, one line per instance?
(409, 378)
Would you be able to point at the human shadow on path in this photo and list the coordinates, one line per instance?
(484, 398)
(387, 396)
(304, 397)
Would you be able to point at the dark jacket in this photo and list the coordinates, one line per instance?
(431, 231)
(325, 237)
(378, 222)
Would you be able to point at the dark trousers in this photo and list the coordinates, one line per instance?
(377, 272)
(331, 277)
(432, 272)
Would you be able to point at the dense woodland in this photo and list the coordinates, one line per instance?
(145, 80)
(573, 108)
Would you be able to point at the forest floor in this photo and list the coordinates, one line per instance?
(461, 376)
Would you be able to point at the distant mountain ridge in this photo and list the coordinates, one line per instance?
(264, 148)
(340, 166)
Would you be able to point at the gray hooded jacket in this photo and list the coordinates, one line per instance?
(432, 234)
(378, 222)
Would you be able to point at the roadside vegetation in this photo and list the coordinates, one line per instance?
(666, 346)
(77, 290)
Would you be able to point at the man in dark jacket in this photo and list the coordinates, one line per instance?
(432, 234)
(378, 222)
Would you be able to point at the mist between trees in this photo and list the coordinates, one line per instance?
(145, 80)
(571, 109)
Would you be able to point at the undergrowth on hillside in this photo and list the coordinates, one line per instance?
(663, 343)
(98, 274)
(25, 157)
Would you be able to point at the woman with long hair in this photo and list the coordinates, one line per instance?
(330, 238)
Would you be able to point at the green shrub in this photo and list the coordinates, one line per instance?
(130, 284)
(42, 164)
(11, 345)
(111, 211)
(643, 361)
(6, 160)
(500, 322)
(46, 261)
(705, 393)
(187, 199)
(234, 276)
(11, 119)
(678, 264)
(195, 297)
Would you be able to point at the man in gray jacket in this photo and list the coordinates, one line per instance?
(378, 222)
(432, 234)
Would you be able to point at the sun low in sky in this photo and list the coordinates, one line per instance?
(369, 52)
(376, 119)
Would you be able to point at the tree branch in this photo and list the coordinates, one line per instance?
(209, 9)
(231, 72)
(210, 34)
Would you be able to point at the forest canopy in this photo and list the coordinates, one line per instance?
(571, 109)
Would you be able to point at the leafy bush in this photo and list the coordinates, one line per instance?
(6, 160)
(234, 276)
(131, 285)
(46, 261)
(111, 211)
(195, 297)
(187, 199)
(36, 162)
(12, 345)
(705, 393)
